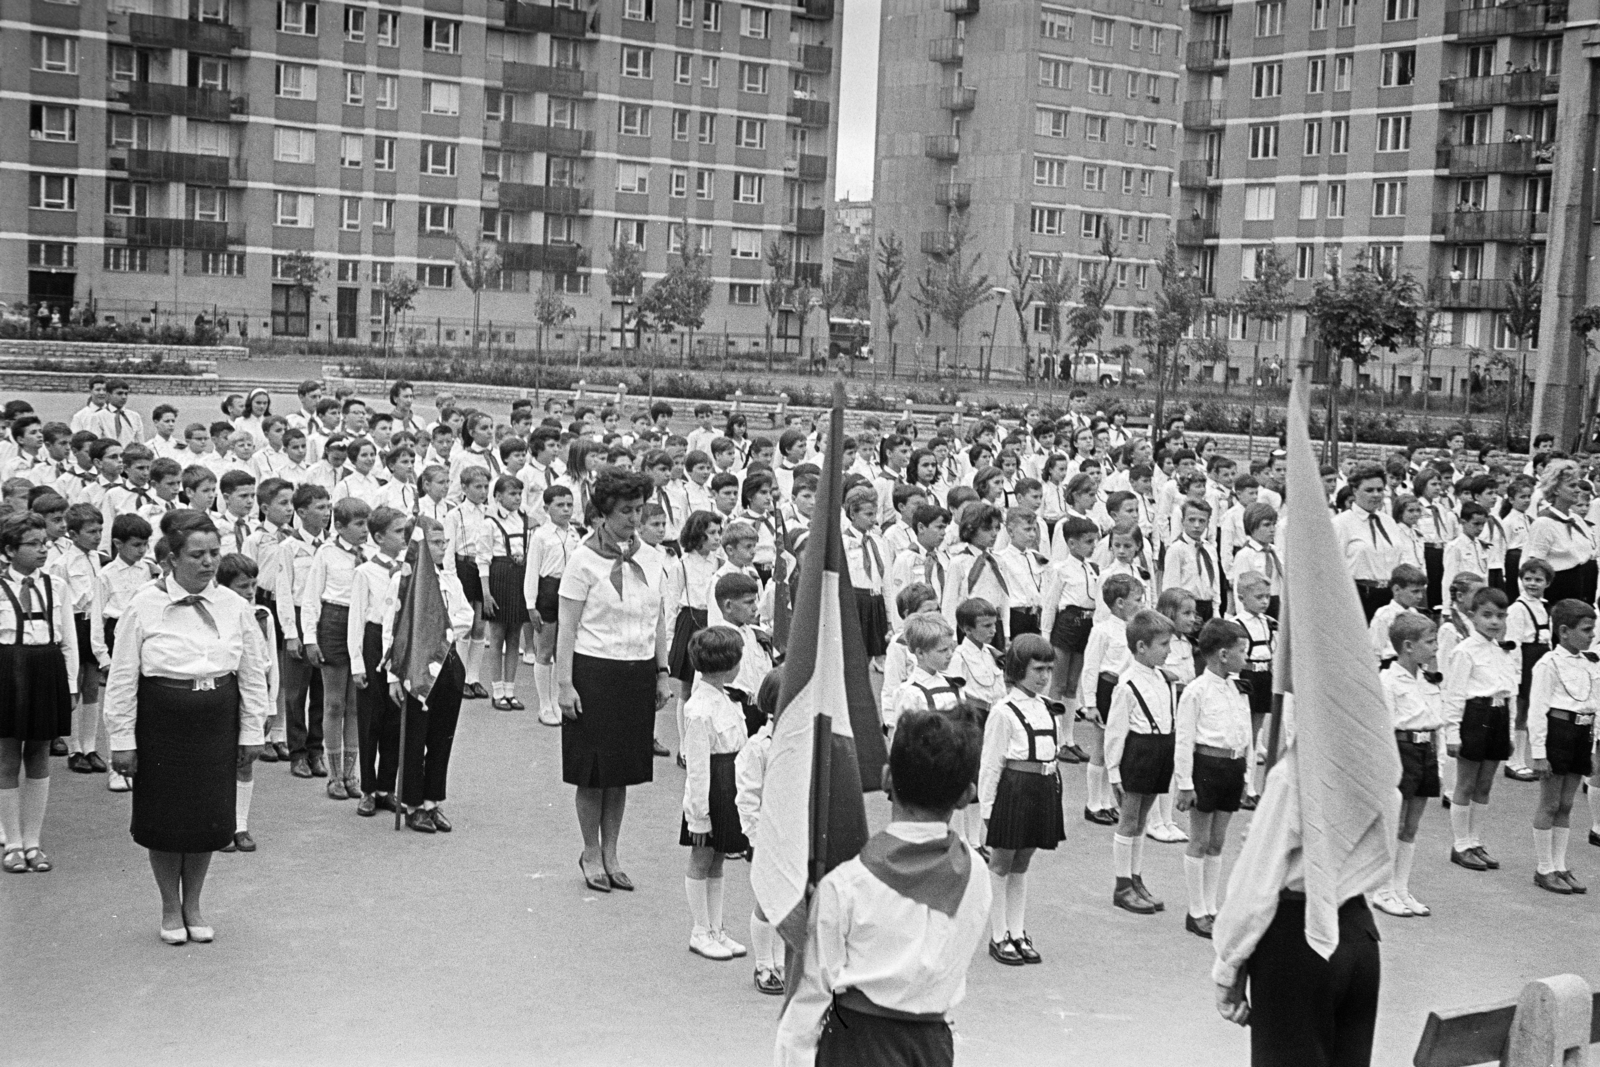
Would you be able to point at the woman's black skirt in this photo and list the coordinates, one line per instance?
(1485, 731)
(547, 601)
(690, 621)
(505, 585)
(1070, 631)
(874, 616)
(333, 638)
(1569, 747)
(1026, 812)
(188, 745)
(1573, 583)
(35, 695)
(726, 834)
(1511, 583)
(1218, 783)
(612, 742)
(1433, 563)
(1147, 763)
(467, 574)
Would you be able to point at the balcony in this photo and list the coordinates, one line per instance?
(1503, 157)
(1473, 293)
(1207, 55)
(1490, 225)
(553, 199)
(553, 140)
(961, 8)
(161, 31)
(150, 232)
(1199, 173)
(1519, 20)
(1204, 114)
(1197, 231)
(155, 98)
(820, 10)
(557, 81)
(816, 59)
(1524, 88)
(1210, 7)
(958, 98)
(938, 243)
(145, 165)
(551, 259)
(545, 18)
(811, 113)
(957, 195)
(809, 168)
(808, 274)
(943, 146)
(806, 221)
(947, 49)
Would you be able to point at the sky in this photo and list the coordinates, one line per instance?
(858, 104)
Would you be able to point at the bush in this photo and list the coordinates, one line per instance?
(117, 333)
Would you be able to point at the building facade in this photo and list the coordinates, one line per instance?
(180, 150)
(1033, 129)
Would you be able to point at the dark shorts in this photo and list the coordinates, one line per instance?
(1147, 761)
(1569, 747)
(467, 574)
(1070, 631)
(85, 650)
(1104, 687)
(547, 602)
(1218, 783)
(1485, 731)
(1023, 621)
(1419, 769)
(1260, 695)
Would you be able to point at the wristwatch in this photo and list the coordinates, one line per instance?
(663, 670)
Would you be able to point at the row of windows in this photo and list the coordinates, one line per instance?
(1092, 225)
(1397, 68)
(754, 22)
(1393, 135)
(1063, 26)
(639, 62)
(1057, 74)
(1056, 122)
(1388, 200)
(635, 120)
(1053, 174)
(300, 17)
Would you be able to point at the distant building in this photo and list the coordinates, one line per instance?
(852, 228)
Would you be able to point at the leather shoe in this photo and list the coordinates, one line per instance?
(1488, 860)
(58, 747)
(420, 821)
(1520, 774)
(1064, 754)
(620, 881)
(77, 763)
(1200, 927)
(96, 764)
(1594, 838)
(1077, 750)
(1128, 899)
(661, 751)
(1468, 859)
(1005, 952)
(383, 801)
(269, 754)
(1025, 949)
(1248, 802)
(300, 768)
(1552, 882)
(319, 765)
(368, 806)
(440, 823)
(281, 750)
(244, 842)
(1138, 887)
(1572, 881)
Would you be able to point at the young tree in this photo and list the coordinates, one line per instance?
(550, 309)
(926, 298)
(802, 297)
(1054, 287)
(678, 300)
(1022, 295)
(477, 265)
(398, 297)
(1524, 303)
(891, 276)
(625, 279)
(775, 288)
(1173, 312)
(963, 288)
(1264, 300)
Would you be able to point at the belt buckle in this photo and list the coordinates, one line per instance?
(201, 684)
(1584, 719)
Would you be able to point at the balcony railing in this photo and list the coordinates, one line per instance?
(816, 59)
(811, 168)
(1206, 55)
(961, 7)
(1210, 7)
(808, 274)
(1470, 225)
(557, 81)
(1204, 114)
(150, 232)
(806, 221)
(157, 98)
(1523, 19)
(947, 49)
(1473, 293)
(554, 259)
(162, 31)
(938, 243)
(956, 195)
(941, 146)
(1197, 231)
(147, 165)
(1501, 157)
(958, 98)
(1526, 87)
(554, 140)
(546, 18)
(554, 199)
(1199, 173)
(813, 113)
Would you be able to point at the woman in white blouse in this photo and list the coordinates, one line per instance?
(1561, 538)
(611, 669)
(185, 701)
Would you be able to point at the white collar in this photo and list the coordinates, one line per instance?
(918, 833)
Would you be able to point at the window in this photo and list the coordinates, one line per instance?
(1384, 257)
(129, 131)
(48, 122)
(1123, 228)
(1398, 10)
(1094, 178)
(355, 24)
(1141, 276)
(436, 275)
(52, 254)
(441, 98)
(637, 62)
(1147, 182)
(350, 150)
(1305, 262)
(208, 205)
(710, 16)
(1308, 200)
(1260, 203)
(296, 16)
(749, 188)
(383, 215)
(296, 82)
(348, 270)
(436, 218)
(494, 225)
(705, 185)
(678, 183)
(708, 129)
(1150, 136)
(1339, 137)
(439, 157)
(1398, 67)
(388, 29)
(755, 22)
(128, 260)
(639, 10)
(1135, 38)
(1096, 128)
(126, 64)
(1050, 172)
(1155, 41)
(1347, 12)
(349, 213)
(1319, 14)
(57, 55)
(1388, 199)
(744, 294)
(1336, 200)
(746, 244)
(686, 14)
(633, 120)
(1316, 75)
(1046, 220)
(1142, 230)
(753, 78)
(1100, 32)
(1269, 18)
(629, 232)
(1264, 141)
(1055, 73)
(1342, 68)
(293, 145)
(1266, 79)
(1056, 25)
(127, 199)
(294, 209)
(355, 87)
(680, 125)
(682, 68)
(1099, 80)
(386, 92)
(1092, 225)
(633, 177)
(1050, 122)
(1313, 138)
(441, 35)
(750, 133)
(383, 153)
(711, 72)
(225, 264)
(1394, 133)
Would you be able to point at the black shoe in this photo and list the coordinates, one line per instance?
(300, 768)
(420, 820)
(231, 846)
(1065, 754)
(1077, 750)
(1468, 859)
(440, 823)
(1594, 838)
(1248, 802)
(1025, 949)
(77, 763)
(661, 751)
(383, 801)
(1005, 952)
(1444, 802)
(269, 754)
(58, 747)
(1128, 899)
(1552, 882)
(368, 806)
(1488, 860)
(319, 765)
(281, 750)
(96, 764)
(244, 842)
(1138, 887)
(1200, 927)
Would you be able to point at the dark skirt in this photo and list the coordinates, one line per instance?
(1569, 747)
(333, 638)
(726, 833)
(874, 616)
(1419, 769)
(1026, 812)
(1512, 583)
(547, 601)
(1433, 563)
(689, 622)
(1204, 609)
(1070, 631)
(505, 585)
(612, 743)
(1485, 731)
(1147, 763)
(188, 745)
(85, 650)
(1573, 583)
(1218, 783)
(35, 695)
(467, 574)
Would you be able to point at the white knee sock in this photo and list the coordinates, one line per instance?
(1519, 751)
(544, 682)
(1543, 851)
(1447, 777)
(1194, 880)
(1122, 856)
(1558, 846)
(1594, 803)
(88, 722)
(997, 907)
(1480, 816)
(695, 890)
(1461, 825)
(1095, 776)
(11, 817)
(242, 792)
(1213, 882)
(35, 796)
(1017, 903)
(761, 938)
(1138, 854)
(1405, 854)
(1068, 722)
(714, 903)
(473, 653)
(1163, 812)
(974, 821)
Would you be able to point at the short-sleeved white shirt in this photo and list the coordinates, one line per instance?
(618, 628)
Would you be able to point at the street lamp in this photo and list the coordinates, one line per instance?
(1000, 294)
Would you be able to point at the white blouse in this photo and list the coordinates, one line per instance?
(38, 631)
(615, 627)
(712, 725)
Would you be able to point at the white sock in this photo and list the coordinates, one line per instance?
(11, 816)
(974, 822)
(1096, 778)
(1405, 854)
(997, 909)
(88, 720)
(35, 795)
(1543, 851)
(1447, 776)
(1480, 816)
(1194, 880)
(714, 903)
(1213, 882)
(1594, 803)
(242, 792)
(695, 890)
(1068, 722)
(761, 938)
(472, 658)
(1017, 903)
(1122, 856)
(1138, 854)
(1163, 812)
(1461, 825)
(544, 682)
(1558, 846)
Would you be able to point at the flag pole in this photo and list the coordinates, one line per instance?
(400, 765)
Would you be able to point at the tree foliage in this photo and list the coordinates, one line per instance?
(305, 272)
(963, 286)
(477, 265)
(1019, 268)
(679, 298)
(891, 278)
(1173, 312)
(625, 280)
(1086, 320)
(1053, 288)
(776, 287)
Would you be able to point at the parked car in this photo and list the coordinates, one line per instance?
(1090, 367)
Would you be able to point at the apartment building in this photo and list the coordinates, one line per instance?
(179, 150)
(1416, 134)
(1041, 126)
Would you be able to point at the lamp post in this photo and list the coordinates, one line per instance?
(1000, 293)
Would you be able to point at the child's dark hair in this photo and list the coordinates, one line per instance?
(1470, 511)
(384, 519)
(1022, 653)
(1146, 626)
(46, 501)
(233, 566)
(1488, 596)
(507, 483)
(1216, 635)
(696, 528)
(129, 527)
(1256, 514)
(1407, 576)
(235, 480)
(716, 649)
(933, 760)
(912, 597)
(981, 516)
(1567, 614)
(972, 611)
(1073, 528)
(927, 515)
(734, 585)
(81, 515)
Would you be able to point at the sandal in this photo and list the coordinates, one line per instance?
(38, 862)
(15, 861)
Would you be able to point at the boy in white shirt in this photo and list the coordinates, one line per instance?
(1411, 692)
(1191, 562)
(1104, 659)
(1408, 588)
(931, 641)
(1024, 568)
(1258, 552)
(1139, 753)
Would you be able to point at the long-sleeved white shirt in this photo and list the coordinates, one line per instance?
(1070, 582)
(115, 586)
(1464, 555)
(371, 587)
(463, 527)
(1020, 727)
(1477, 668)
(332, 575)
(1107, 653)
(457, 608)
(1024, 571)
(504, 533)
(1415, 703)
(1378, 630)
(1371, 549)
(548, 551)
(1563, 680)
(1264, 560)
(971, 572)
(50, 611)
(1528, 622)
(1211, 712)
(1129, 716)
(980, 673)
(1193, 566)
(868, 559)
(713, 725)
(1564, 541)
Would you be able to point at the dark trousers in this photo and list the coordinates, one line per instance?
(855, 1039)
(1372, 598)
(302, 683)
(371, 703)
(1306, 1011)
(430, 732)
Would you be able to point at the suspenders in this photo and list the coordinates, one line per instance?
(48, 615)
(1541, 630)
(1146, 707)
(1033, 734)
(929, 694)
